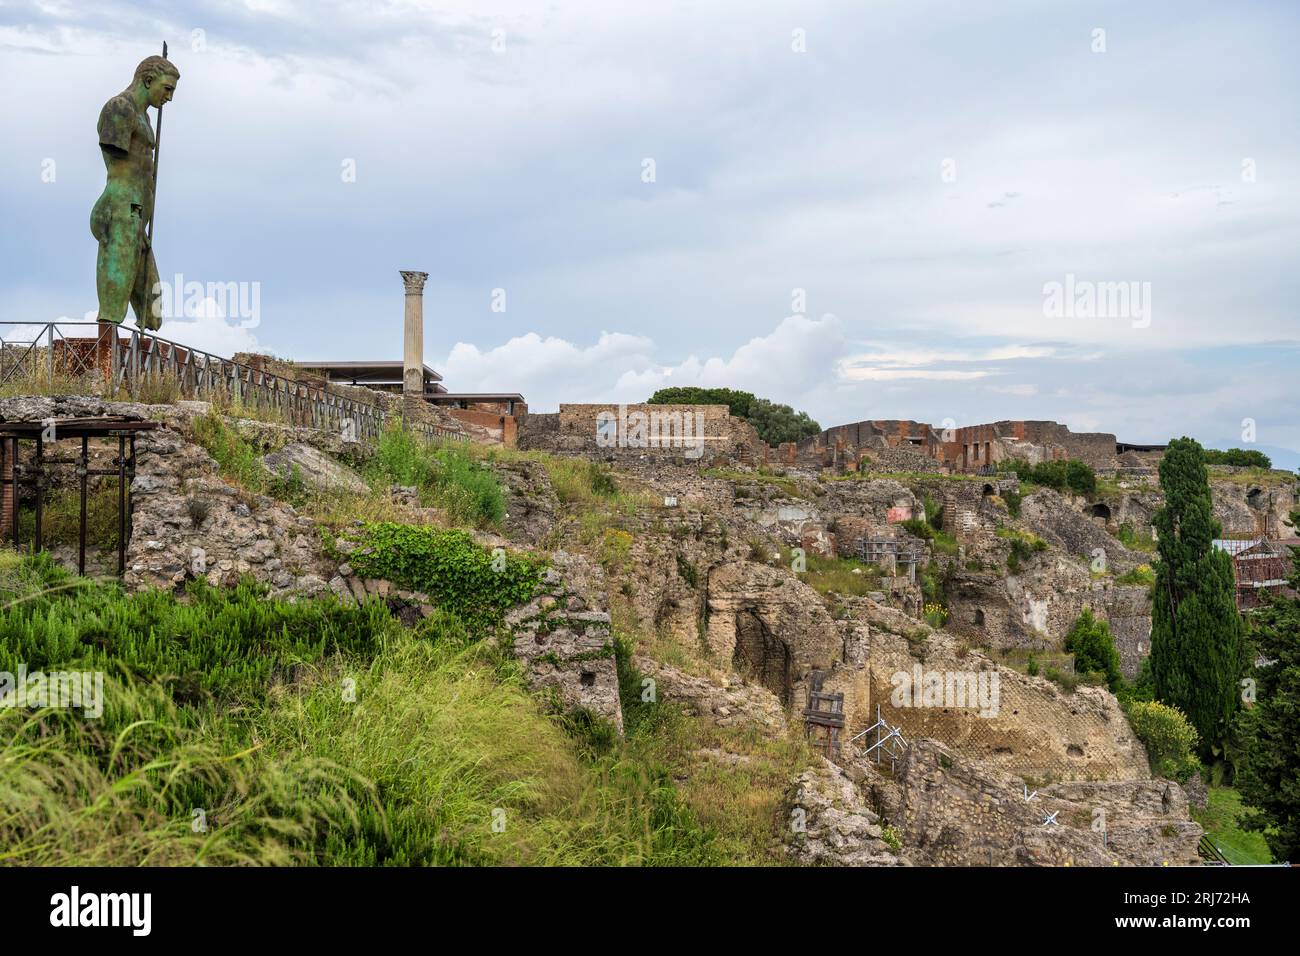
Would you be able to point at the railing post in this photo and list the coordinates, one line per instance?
(134, 364)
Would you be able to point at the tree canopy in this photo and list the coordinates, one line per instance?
(1239, 457)
(774, 423)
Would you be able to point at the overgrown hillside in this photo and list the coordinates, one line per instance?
(394, 655)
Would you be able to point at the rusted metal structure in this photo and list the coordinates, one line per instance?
(887, 553)
(825, 712)
(33, 472)
(1261, 565)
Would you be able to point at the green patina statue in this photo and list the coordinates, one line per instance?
(125, 270)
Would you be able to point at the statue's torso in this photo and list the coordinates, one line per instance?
(126, 142)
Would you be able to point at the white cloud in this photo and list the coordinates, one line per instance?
(618, 367)
(207, 330)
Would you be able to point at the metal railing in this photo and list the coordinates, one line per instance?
(43, 352)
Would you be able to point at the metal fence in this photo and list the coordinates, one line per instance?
(136, 361)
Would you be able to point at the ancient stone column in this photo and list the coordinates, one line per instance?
(413, 338)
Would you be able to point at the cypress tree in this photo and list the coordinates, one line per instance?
(1268, 767)
(1196, 632)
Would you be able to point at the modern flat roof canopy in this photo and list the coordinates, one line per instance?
(364, 373)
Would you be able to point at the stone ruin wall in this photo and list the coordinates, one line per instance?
(971, 447)
(774, 630)
(955, 812)
(573, 431)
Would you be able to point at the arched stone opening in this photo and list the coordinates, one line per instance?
(1100, 510)
(762, 656)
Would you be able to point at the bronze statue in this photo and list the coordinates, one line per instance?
(122, 219)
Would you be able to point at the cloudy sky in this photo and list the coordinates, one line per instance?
(863, 209)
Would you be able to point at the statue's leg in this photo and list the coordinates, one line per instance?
(115, 265)
(146, 297)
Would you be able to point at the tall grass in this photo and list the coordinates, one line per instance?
(73, 793)
(446, 474)
(308, 733)
(61, 517)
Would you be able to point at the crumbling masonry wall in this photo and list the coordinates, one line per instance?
(686, 433)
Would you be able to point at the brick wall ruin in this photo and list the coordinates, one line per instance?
(971, 448)
(689, 433)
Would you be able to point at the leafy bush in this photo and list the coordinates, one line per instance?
(451, 568)
(1090, 641)
(918, 528)
(933, 580)
(774, 423)
(1169, 737)
(1077, 476)
(936, 615)
(601, 480)
(1024, 546)
(1239, 457)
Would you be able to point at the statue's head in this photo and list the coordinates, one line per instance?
(159, 76)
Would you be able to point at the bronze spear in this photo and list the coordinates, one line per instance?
(157, 147)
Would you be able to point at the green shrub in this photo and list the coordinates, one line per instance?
(1024, 545)
(944, 543)
(1077, 476)
(1090, 641)
(1013, 499)
(1141, 574)
(891, 838)
(1169, 737)
(601, 480)
(774, 423)
(1239, 457)
(1067, 682)
(933, 512)
(455, 572)
(687, 571)
(918, 528)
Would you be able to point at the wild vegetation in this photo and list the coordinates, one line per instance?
(1238, 457)
(1072, 475)
(1090, 642)
(774, 423)
(271, 733)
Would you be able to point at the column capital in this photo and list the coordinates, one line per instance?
(414, 282)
